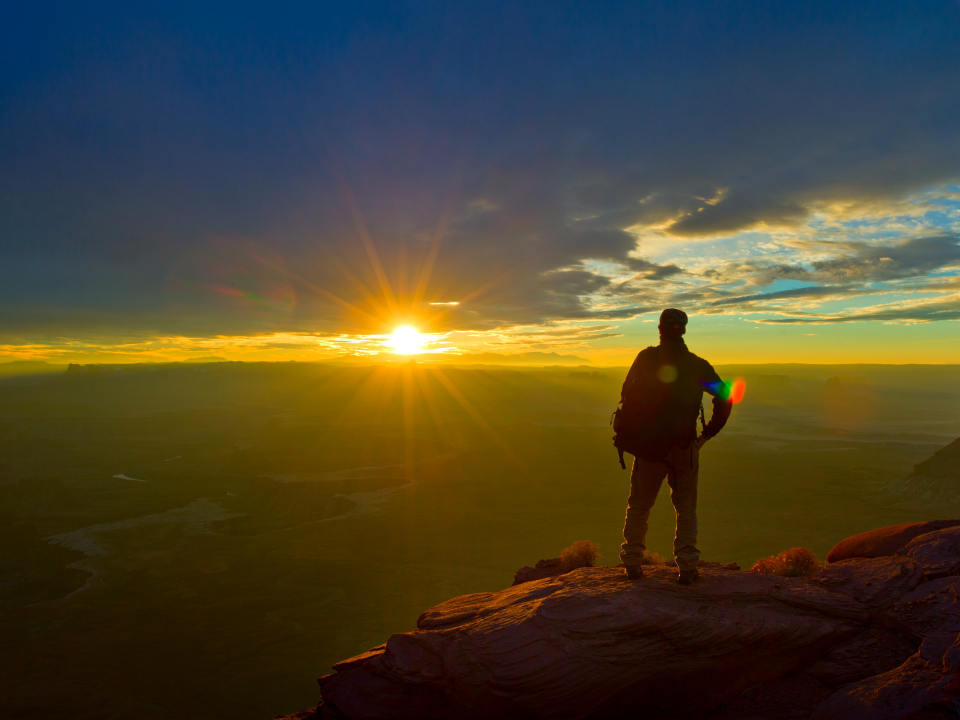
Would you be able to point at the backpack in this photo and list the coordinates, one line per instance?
(656, 408)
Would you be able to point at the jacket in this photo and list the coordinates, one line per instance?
(661, 398)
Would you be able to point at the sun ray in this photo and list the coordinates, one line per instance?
(370, 248)
(385, 396)
(431, 258)
(472, 412)
(408, 389)
(354, 408)
(331, 296)
(377, 305)
(440, 423)
(323, 291)
(485, 287)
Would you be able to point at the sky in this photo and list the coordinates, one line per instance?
(284, 181)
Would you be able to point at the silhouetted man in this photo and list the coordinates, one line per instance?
(661, 398)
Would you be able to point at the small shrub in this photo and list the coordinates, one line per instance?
(795, 562)
(582, 553)
(654, 558)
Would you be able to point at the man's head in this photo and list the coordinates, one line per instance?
(673, 323)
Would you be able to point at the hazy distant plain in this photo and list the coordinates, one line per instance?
(294, 515)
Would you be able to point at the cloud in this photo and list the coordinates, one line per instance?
(815, 291)
(916, 311)
(734, 214)
(647, 270)
(918, 256)
(843, 262)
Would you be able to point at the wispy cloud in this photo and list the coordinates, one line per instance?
(905, 311)
(816, 291)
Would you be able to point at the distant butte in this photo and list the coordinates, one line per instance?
(874, 636)
(936, 478)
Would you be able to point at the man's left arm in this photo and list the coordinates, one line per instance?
(711, 382)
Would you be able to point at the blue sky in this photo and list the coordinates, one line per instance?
(291, 182)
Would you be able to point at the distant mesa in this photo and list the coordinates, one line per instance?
(530, 358)
(936, 478)
(866, 637)
(945, 463)
(587, 375)
(207, 359)
(848, 402)
(27, 365)
(770, 382)
(28, 372)
(840, 390)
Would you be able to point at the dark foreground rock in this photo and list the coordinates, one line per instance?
(927, 683)
(933, 608)
(937, 552)
(873, 637)
(314, 713)
(884, 541)
(876, 582)
(589, 644)
(555, 566)
(871, 652)
(543, 569)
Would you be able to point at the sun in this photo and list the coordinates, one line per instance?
(407, 341)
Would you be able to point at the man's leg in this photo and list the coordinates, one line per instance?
(645, 480)
(684, 464)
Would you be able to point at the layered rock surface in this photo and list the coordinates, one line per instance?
(925, 685)
(884, 541)
(591, 644)
(865, 638)
(938, 552)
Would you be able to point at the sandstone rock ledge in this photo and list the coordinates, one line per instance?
(872, 637)
(591, 644)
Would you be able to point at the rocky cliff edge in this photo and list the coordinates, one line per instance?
(874, 636)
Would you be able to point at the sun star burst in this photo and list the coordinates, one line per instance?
(407, 341)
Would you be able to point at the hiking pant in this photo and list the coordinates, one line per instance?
(681, 467)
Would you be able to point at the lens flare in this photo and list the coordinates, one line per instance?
(667, 373)
(728, 390)
(407, 341)
(236, 277)
(737, 390)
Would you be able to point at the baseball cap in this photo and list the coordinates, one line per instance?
(673, 319)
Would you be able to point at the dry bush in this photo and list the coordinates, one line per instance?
(655, 558)
(795, 562)
(582, 553)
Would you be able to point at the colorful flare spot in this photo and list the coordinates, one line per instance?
(737, 389)
(667, 373)
(235, 276)
(732, 391)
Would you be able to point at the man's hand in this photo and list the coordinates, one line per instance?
(701, 440)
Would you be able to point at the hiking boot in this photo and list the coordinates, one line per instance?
(634, 572)
(689, 576)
